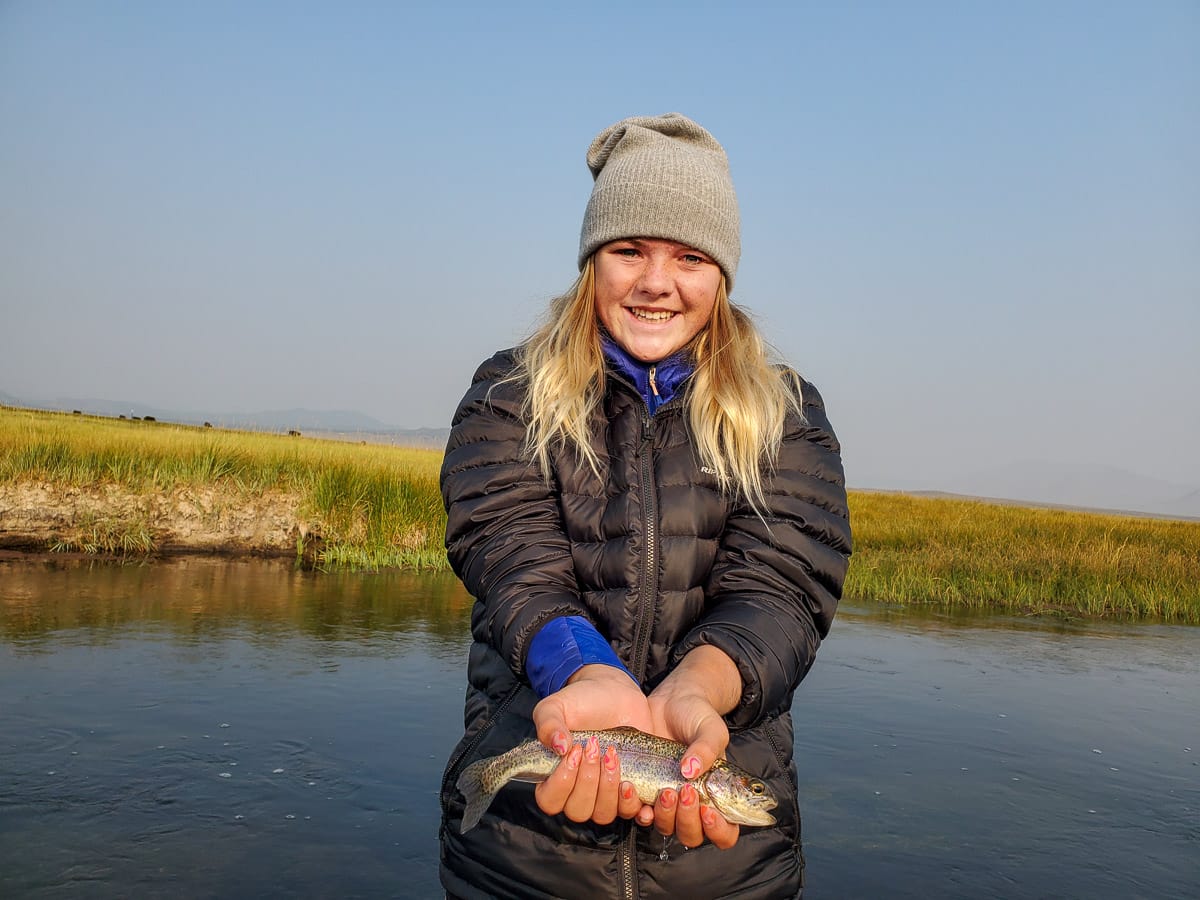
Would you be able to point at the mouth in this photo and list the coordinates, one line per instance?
(651, 315)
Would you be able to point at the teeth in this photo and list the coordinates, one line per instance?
(650, 315)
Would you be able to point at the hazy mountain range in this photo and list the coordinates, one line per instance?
(312, 421)
(1081, 484)
(1029, 481)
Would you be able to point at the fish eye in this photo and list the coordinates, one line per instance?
(758, 787)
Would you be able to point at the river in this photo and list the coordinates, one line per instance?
(214, 728)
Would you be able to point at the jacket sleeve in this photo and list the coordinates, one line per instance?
(504, 532)
(777, 578)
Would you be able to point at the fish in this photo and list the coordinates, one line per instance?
(650, 763)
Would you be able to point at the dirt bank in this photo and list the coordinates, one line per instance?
(37, 517)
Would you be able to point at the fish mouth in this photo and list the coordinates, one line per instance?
(755, 812)
(751, 817)
(761, 813)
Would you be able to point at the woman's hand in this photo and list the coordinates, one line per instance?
(688, 707)
(586, 784)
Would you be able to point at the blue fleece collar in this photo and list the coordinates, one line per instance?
(669, 373)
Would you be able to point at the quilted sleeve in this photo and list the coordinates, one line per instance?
(504, 532)
(778, 576)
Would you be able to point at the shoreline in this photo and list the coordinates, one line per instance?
(42, 516)
(79, 488)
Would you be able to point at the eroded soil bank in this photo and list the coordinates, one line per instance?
(109, 519)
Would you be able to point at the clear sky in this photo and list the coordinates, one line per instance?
(975, 226)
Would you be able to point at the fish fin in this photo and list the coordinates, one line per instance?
(530, 777)
(470, 785)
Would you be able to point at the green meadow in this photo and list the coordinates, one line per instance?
(918, 551)
(374, 506)
(360, 505)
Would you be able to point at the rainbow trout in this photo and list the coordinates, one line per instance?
(648, 762)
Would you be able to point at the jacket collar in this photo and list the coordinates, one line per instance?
(669, 373)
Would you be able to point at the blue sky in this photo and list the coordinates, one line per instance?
(975, 226)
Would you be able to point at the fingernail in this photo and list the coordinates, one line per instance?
(690, 767)
(687, 795)
(627, 791)
(593, 749)
(707, 816)
(667, 799)
(560, 743)
(575, 757)
(610, 759)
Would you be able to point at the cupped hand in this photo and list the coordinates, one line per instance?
(586, 784)
(685, 708)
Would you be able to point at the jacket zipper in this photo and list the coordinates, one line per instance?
(628, 849)
(641, 635)
(649, 588)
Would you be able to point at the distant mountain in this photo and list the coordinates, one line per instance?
(1029, 481)
(330, 420)
(1082, 485)
(428, 438)
(301, 419)
(334, 423)
(127, 408)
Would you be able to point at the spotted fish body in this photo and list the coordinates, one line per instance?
(649, 763)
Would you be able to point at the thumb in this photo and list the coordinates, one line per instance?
(551, 726)
(706, 747)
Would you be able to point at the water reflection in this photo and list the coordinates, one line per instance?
(201, 598)
(221, 728)
(208, 727)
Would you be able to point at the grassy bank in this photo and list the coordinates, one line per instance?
(987, 556)
(372, 506)
(359, 505)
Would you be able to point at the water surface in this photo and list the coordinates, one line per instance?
(208, 728)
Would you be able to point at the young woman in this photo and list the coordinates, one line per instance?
(652, 519)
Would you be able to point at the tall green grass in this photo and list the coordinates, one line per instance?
(958, 553)
(378, 507)
(375, 506)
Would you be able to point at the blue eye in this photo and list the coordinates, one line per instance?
(694, 259)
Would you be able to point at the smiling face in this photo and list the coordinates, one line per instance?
(653, 296)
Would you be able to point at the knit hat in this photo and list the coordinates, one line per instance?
(662, 177)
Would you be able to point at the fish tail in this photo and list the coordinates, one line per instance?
(479, 798)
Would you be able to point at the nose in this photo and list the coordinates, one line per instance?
(655, 278)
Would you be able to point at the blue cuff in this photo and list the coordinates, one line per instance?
(561, 648)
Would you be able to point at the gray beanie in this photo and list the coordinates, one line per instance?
(662, 177)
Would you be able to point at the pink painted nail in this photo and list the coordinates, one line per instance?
(690, 767)
(593, 749)
(667, 799)
(610, 759)
(687, 795)
(575, 757)
(708, 816)
(560, 744)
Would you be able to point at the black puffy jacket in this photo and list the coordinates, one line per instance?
(661, 561)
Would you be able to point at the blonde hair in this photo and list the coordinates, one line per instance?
(736, 398)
